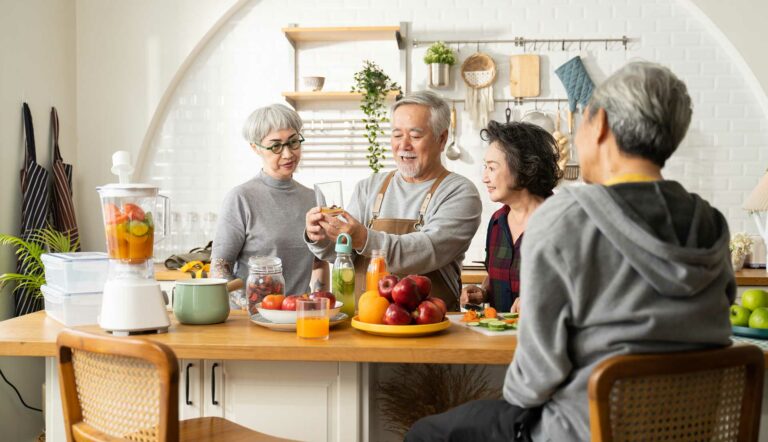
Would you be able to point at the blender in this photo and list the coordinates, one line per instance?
(132, 302)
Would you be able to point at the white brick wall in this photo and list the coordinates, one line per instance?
(198, 154)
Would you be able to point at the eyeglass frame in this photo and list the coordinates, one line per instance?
(282, 146)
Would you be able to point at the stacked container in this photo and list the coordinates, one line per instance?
(74, 285)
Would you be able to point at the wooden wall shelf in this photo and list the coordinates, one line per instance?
(343, 33)
(294, 97)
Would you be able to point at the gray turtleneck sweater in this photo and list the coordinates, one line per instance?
(265, 216)
(631, 268)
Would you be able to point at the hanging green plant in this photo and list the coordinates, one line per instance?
(374, 84)
(28, 251)
(439, 52)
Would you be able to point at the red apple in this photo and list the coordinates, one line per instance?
(428, 313)
(396, 315)
(289, 303)
(406, 294)
(323, 294)
(440, 303)
(385, 286)
(423, 284)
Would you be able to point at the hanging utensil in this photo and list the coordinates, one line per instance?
(571, 171)
(508, 112)
(452, 152)
(562, 141)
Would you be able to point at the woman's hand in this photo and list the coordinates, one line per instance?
(516, 306)
(472, 294)
(333, 226)
(314, 230)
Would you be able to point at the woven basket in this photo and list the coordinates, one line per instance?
(478, 71)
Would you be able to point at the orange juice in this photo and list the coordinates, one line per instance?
(313, 327)
(377, 269)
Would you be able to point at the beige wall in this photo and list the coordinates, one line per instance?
(37, 65)
(743, 23)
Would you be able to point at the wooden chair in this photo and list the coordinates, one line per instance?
(120, 389)
(686, 396)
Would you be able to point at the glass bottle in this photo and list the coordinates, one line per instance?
(265, 277)
(343, 277)
(377, 269)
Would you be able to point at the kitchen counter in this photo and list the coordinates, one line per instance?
(744, 277)
(239, 339)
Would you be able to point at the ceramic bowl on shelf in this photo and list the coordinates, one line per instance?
(314, 83)
(289, 316)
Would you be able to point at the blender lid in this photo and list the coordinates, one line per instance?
(128, 189)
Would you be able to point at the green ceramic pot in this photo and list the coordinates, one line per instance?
(201, 301)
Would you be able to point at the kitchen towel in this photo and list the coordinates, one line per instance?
(577, 83)
(35, 198)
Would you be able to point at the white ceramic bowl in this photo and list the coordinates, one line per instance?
(314, 83)
(289, 316)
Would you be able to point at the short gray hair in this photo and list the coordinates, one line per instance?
(439, 112)
(269, 119)
(648, 110)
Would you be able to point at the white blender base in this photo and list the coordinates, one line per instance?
(133, 306)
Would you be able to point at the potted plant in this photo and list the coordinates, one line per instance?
(440, 58)
(28, 251)
(374, 84)
(740, 246)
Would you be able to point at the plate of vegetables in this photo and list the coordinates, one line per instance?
(489, 320)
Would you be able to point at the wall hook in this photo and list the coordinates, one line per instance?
(563, 46)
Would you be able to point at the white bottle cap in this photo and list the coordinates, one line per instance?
(122, 166)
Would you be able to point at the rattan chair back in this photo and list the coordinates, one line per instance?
(117, 388)
(687, 396)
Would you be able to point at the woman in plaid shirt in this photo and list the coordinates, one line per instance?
(520, 171)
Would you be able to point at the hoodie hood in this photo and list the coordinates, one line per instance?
(675, 262)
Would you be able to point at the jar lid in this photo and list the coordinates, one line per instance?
(265, 264)
(342, 246)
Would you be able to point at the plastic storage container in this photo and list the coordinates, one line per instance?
(80, 272)
(72, 309)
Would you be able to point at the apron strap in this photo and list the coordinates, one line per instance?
(428, 198)
(380, 197)
(29, 139)
(55, 128)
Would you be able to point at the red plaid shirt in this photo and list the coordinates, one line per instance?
(502, 261)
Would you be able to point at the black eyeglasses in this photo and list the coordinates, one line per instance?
(277, 148)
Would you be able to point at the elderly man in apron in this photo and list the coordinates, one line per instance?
(421, 215)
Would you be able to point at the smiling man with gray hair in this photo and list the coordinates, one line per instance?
(421, 215)
(607, 269)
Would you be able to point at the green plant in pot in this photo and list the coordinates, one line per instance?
(440, 58)
(374, 84)
(28, 251)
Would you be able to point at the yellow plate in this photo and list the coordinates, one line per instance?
(400, 331)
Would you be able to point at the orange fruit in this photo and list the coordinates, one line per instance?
(371, 307)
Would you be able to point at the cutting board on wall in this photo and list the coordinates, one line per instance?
(524, 75)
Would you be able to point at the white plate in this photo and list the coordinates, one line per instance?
(262, 321)
(289, 316)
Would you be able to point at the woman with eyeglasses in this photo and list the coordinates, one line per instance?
(265, 215)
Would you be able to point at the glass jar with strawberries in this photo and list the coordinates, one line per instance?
(265, 277)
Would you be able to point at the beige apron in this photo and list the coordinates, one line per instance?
(401, 227)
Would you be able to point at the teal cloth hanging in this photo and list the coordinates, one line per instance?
(577, 83)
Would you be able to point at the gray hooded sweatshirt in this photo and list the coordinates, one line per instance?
(631, 268)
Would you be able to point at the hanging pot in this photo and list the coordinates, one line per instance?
(439, 75)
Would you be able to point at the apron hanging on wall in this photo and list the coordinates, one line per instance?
(35, 193)
(62, 208)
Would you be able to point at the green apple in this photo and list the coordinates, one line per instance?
(740, 316)
(754, 298)
(759, 318)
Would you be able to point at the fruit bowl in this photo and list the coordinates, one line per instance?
(398, 331)
(757, 333)
(289, 316)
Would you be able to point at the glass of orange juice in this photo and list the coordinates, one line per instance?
(377, 269)
(313, 318)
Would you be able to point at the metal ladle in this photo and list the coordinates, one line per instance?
(452, 152)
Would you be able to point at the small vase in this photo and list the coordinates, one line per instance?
(737, 260)
(439, 75)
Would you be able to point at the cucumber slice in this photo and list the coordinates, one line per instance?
(138, 228)
(473, 324)
(347, 275)
(509, 315)
(511, 326)
(486, 321)
(497, 326)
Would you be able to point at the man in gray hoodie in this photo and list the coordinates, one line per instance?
(631, 264)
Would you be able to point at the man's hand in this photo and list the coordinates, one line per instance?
(334, 225)
(472, 294)
(314, 230)
(516, 306)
